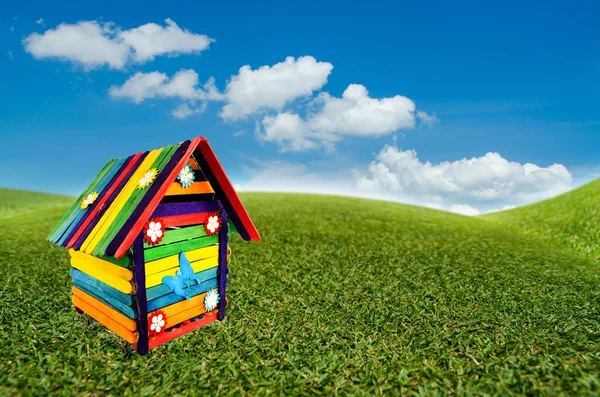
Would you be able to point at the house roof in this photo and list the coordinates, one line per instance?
(109, 226)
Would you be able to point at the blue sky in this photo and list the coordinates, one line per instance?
(519, 79)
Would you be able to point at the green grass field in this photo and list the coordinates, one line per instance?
(342, 295)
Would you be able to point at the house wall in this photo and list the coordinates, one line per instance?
(103, 289)
(183, 213)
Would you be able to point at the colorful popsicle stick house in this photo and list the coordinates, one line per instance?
(148, 241)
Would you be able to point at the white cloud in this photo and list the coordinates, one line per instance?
(355, 114)
(93, 44)
(10, 54)
(464, 209)
(182, 85)
(427, 119)
(40, 21)
(283, 176)
(12, 28)
(150, 40)
(488, 178)
(184, 111)
(505, 207)
(273, 87)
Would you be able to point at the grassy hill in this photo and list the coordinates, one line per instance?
(16, 202)
(342, 295)
(570, 220)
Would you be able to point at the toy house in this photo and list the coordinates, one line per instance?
(148, 242)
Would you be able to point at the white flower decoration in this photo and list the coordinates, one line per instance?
(158, 323)
(89, 200)
(147, 179)
(154, 231)
(186, 176)
(211, 299)
(212, 223)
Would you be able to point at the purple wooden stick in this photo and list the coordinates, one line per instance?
(140, 295)
(156, 185)
(107, 204)
(223, 232)
(221, 195)
(186, 208)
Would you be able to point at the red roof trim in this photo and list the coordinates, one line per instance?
(228, 190)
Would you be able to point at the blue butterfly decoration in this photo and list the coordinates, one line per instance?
(182, 278)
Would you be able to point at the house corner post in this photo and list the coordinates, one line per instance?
(223, 237)
(140, 295)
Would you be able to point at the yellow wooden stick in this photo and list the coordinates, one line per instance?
(172, 261)
(102, 265)
(117, 205)
(103, 319)
(116, 282)
(198, 266)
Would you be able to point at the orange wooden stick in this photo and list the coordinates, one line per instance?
(103, 319)
(196, 188)
(108, 311)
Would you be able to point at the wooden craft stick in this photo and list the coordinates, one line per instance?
(184, 329)
(106, 299)
(82, 278)
(183, 306)
(146, 207)
(140, 295)
(185, 208)
(185, 315)
(172, 261)
(102, 197)
(208, 162)
(85, 260)
(185, 220)
(176, 189)
(223, 234)
(161, 289)
(152, 254)
(88, 190)
(125, 261)
(104, 309)
(172, 298)
(198, 266)
(80, 213)
(176, 235)
(137, 196)
(107, 278)
(103, 319)
(112, 212)
(88, 226)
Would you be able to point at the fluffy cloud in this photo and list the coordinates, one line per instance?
(464, 209)
(483, 179)
(184, 111)
(183, 85)
(410, 181)
(427, 119)
(93, 44)
(274, 86)
(355, 113)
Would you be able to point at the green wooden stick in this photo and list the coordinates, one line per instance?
(175, 248)
(175, 235)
